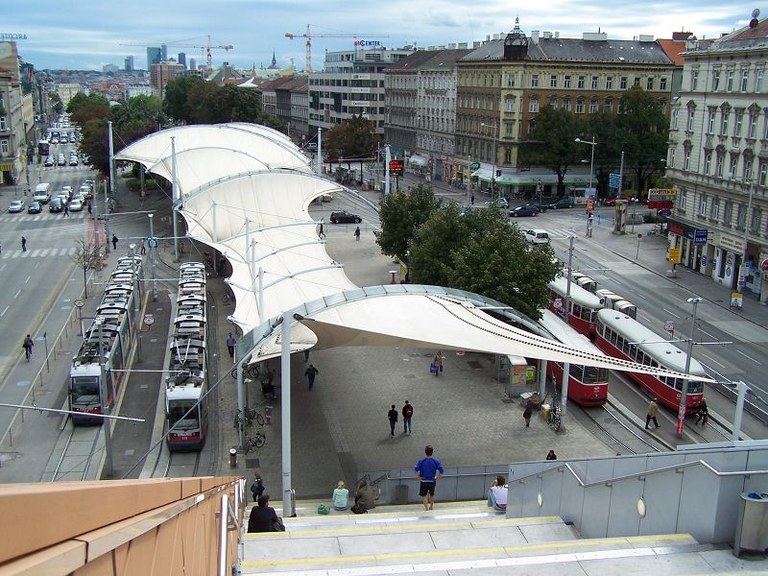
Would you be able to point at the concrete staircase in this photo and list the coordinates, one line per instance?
(459, 537)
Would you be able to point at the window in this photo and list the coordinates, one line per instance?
(729, 80)
(715, 80)
(3, 123)
(727, 208)
(3, 147)
(662, 83)
(683, 202)
(752, 130)
(649, 84)
(724, 121)
(510, 103)
(672, 157)
(694, 79)
(510, 80)
(746, 175)
(636, 82)
(719, 166)
(686, 160)
(715, 213)
(708, 163)
(759, 80)
(711, 113)
(761, 179)
(566, 103)
(581, 84)
(623, 83)
(534, 80)
(689, 122)
(593, 106)
(533, 104)
(732, 165)
(567, 82)
(675, 119)
(609, 82)
(738, 122)
(754, 220)
(553, 102)
(608, 104)
(702, 205)
(741, 216)
(580, 106)
(553, 81)
(744, 80)
(595, 82)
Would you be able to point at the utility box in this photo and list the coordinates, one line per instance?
(752, 526)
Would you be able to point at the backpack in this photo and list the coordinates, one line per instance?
(359, 508)
(408, 411)
(257, 488)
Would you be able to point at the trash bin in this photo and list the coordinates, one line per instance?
(401, 494)
(752, 526)
(545, 408)
(268, 414)
(233, 457)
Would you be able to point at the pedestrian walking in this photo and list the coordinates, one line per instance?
(66, 208)
(310, 373)
(428, 471)
(27, 345)
(703, 413)
(90, 209)
(321, 231)
(407, 414)
(651, 414)
(551, 455)
(257, 486)
(143, 246)
(437, 362)
(472, 199)
(527, 414)
(231, 345)
(23, 244)
(392, 415)
(357, 234)
(114, 242)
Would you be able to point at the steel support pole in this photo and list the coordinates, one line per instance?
(684, 390)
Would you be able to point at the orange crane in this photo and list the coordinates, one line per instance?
(309, 37)
(208, 47)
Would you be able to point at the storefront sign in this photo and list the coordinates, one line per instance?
(6, 167)
(732, 244)
(700, 237)
(764, 265)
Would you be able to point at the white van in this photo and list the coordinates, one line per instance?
(42, 192)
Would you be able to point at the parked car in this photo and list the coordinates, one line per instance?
(536, 236)
(609, 201)
(564, 202)
(34, 207)
(524, 210)
(500, 201)
(16, 206)
(344, 217)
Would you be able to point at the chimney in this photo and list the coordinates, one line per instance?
(535, 36)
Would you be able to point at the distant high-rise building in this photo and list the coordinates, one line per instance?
(128, 64)
(163, 53)
(161, 74)
(153, 56)
(192, 64)
(110, 68)
(182, 58)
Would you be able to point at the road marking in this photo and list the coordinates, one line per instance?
(28, 279)
(671, 313)
(4, 311)
(708, 357)
(749, 357)
(707, 333)
(17, 294)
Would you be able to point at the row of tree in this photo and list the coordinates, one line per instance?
(640, 129)
(477, 250)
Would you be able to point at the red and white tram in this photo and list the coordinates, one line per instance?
(587, 386)
(583, 305)
(623, 337)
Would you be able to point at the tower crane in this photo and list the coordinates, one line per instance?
(208, 47)
(309, 37)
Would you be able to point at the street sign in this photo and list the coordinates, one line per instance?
(79, 303)
(669, 326)
(152, 242)
(474, 166)
(149, 319)
(613, 179)
(558, 303)
(674, 255)
(700, 237)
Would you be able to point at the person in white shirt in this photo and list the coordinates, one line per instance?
(497, 494)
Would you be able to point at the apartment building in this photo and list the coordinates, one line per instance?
(718, 159)
(504, 82)
(162, 73)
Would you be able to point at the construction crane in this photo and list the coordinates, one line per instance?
(208, 47)
(309, 37)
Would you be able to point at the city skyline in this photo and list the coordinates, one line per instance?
(87, 35)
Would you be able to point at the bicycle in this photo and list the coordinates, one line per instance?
(246, 418)
(254, 442)
(553, 420)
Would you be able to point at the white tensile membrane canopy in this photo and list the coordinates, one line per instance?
(245, 190)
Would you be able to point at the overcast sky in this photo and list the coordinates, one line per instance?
(87, 34)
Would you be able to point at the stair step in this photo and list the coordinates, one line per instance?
(444, 551)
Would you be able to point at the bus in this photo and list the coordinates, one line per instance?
(98, 368)
(186, 383)
(43, 147)
(623, 337)
(583, 305)
(587, 386)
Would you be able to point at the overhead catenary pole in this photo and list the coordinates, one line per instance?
(319, 157)
(684, 390)
(152, 244)
(111, 186)
(105, 394)
(387, 159)
(175, 196)
(566, 365)
(285, 408)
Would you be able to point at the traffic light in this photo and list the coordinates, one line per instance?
(396, 167)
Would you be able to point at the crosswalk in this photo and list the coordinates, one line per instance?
(43, 216)
(38, 253)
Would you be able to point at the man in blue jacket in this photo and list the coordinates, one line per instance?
(428, 470)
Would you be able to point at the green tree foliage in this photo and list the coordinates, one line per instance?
(139, 116)
(176, 103)
(603, 127)
(644, 132)
(551, 143)
(353, 138)
(481, 252)
(81, 100)
(401, 215)
(57, 107)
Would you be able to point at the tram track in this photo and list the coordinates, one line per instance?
(612, 428)
(74, 461)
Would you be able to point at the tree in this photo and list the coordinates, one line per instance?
(644, 131)
(603, 127)
(81, 100)
(480, 252)
(353, 138)
(551, 143)
(176, 103)
(139, 116)
(88, 257)
(401, 215)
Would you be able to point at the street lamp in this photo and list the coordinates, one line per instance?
(493, 171)
(593, 143)
(684, 390)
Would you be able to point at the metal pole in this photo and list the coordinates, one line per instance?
(152, 243)
(742, 389)
(592, 166)
(285, 406)
(684, 391)
(743, 268)
(319, 157)
(175, 201)
(566, 365)
(387, 159)
(106, 220)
